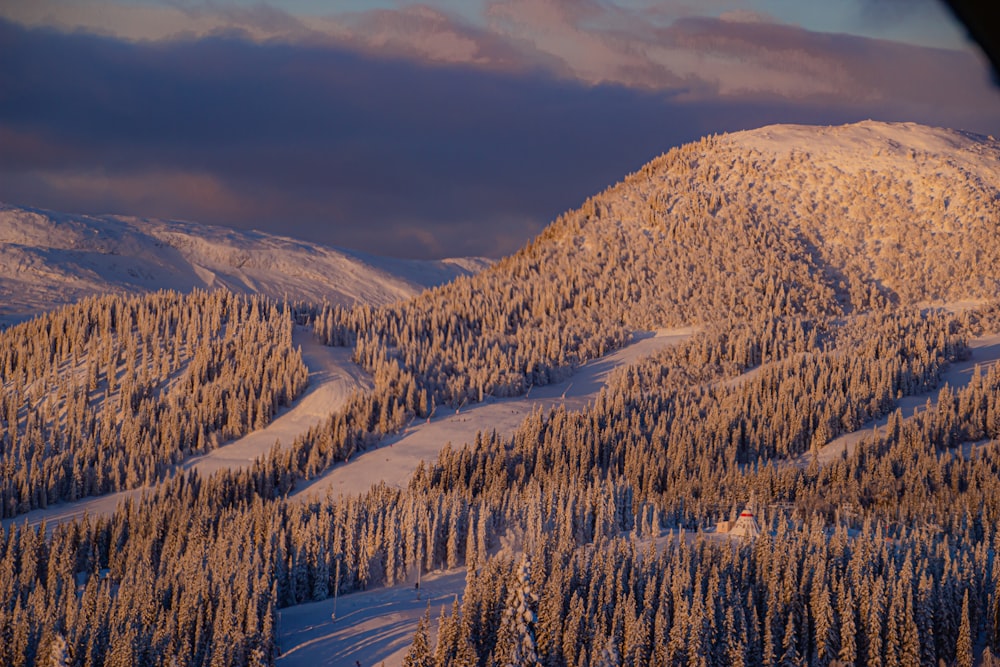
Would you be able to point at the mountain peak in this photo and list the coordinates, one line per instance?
(857, 144)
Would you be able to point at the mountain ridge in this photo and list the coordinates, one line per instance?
(48, 259)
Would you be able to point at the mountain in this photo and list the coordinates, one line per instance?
(830, 216)
(49, 259)
(734, 230)
(804, 257)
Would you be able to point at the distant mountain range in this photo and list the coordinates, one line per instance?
(48, 259)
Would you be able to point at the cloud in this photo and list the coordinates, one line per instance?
(887, 12)
(429, 34)
(468, 146)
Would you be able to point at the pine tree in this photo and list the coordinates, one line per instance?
(516, 640)
(848, 654)
(420, 654)
(59, 655)
(963, 647)
(448, 636)
(822, 613)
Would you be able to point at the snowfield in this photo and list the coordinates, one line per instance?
(49, 259)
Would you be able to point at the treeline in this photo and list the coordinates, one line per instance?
(109, 393)
(803, 597)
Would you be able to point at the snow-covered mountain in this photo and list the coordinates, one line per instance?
(784, 218)
(48, 259)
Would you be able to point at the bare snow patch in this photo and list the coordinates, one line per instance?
(370, 627)
(870, 144)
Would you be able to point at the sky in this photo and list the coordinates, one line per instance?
(446, 128)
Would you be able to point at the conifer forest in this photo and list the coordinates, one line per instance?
(822, 291)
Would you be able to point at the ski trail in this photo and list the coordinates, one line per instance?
(332, 378)
(394, 459)
(985, 352)
(371, 627)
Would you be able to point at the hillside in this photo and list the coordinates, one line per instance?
(794, 218)
(779, 222)
(49, 259)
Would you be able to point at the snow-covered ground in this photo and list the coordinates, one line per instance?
(332, 378)
(985, 353)
(375, 627)
(371, 626)
(395, 459)
(49, 259)
(872, 145)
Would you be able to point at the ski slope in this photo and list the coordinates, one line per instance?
(985, 352)
(371, 627)
(394, 460)
(332, 378)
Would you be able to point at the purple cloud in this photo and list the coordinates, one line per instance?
(391, 151)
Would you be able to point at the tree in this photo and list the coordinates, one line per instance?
(963, 647)
(516, 640)
(848, 632)
(420, 654)
(59, 655)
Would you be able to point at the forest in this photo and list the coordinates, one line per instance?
(882, 555)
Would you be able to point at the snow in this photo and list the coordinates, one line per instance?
(333, 377)
(871, 145)
(50, 259)
(985, 352)
(371, 626)
(394, 460)
(377, 625)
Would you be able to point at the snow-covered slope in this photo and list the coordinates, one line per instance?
(784, 218)
(49, 259)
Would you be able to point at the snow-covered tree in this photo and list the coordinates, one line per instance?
(420, 654)
(59, 655)
(515, 645)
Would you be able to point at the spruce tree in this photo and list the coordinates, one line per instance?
(963, 646)
(420, 654)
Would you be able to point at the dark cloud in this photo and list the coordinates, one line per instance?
(387, 156)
